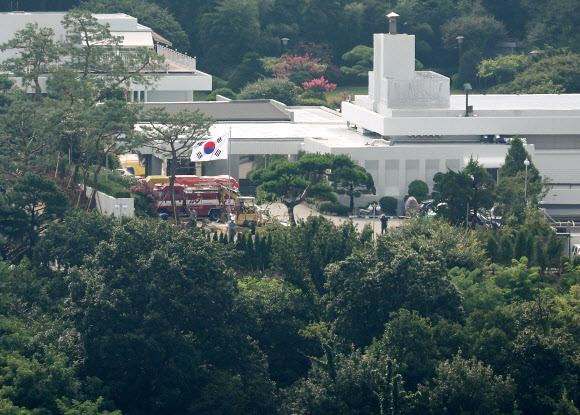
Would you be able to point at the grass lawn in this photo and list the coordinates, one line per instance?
(353, 90)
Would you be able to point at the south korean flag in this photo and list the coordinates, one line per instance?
(210, 150)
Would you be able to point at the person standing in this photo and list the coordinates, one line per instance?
(231, 230)
(384, 223)
(193, 218)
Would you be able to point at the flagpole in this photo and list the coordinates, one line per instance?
(229, 177)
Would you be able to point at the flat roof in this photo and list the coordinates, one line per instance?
(550, 102)
(251, 110)
(309, 122)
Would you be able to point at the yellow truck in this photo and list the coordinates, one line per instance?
(132, 164)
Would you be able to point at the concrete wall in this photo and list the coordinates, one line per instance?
(108, 205)
(394, 167)
(425, 122)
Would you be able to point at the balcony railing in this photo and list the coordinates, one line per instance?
(176, 57)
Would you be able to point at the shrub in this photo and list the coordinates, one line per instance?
(418, 189)
(295, 64)
(250, 70)
(277, 89)
(388, 205)
(331, 207)
(226, 92)
(312, 102)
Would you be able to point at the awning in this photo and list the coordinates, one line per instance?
(160, 39)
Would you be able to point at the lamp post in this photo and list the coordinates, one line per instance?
(527, 163)
(459, 45)
(374, 207)
(284, 41)
(468, 109)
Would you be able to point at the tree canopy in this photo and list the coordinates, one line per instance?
(292, 182)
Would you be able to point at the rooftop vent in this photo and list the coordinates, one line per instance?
(392, 23)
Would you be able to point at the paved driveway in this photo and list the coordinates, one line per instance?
(279, 212)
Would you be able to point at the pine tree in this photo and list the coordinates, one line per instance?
(521, 245)
(553, 249)
(492, 248)
(251, 255)
(506, 250)
(540, 254)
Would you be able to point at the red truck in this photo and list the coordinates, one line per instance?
(209, 201)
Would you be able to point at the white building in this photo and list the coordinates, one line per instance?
(178, 79)
(439, 131)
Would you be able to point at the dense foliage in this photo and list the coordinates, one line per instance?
(221, 33)
(144, 317)
(147, 318)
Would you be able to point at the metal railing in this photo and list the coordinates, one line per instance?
(176, 57)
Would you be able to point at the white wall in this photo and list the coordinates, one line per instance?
(108, 205)
(395, 167)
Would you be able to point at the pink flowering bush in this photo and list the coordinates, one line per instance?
(297, 69)
(319, 85)
(145, 198)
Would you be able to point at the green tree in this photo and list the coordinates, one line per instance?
(25, 212)
(275, 313)
(249, 70)
(353, 182)
(388, 205)
(26, 138)
(520, 248)
(169, 300)
(410, 340)
(36, 54)
(360, 62)
(506, 249)
(346, 383)
(364, 288)
(90, 46)
(174, 135)
(228, 31)
(68, 241)
(566, 406)
(418, 189)
(550, 74)
(303, 252)
(36, 384)
(480, 32)
(515, 178)
(292, 182)
(281, 90)
(107, 126)
(492, 248)
(467, 386)
(502, 69)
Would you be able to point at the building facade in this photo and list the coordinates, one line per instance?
(177, 80)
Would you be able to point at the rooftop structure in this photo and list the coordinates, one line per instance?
(406, 106)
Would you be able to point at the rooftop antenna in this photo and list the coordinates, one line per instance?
(392, 23)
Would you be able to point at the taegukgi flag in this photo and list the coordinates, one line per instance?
(212, 149)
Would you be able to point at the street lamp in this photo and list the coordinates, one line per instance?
(284, 44)
(527, 163)
(374, 206)
(468, 109)
(459, 44)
